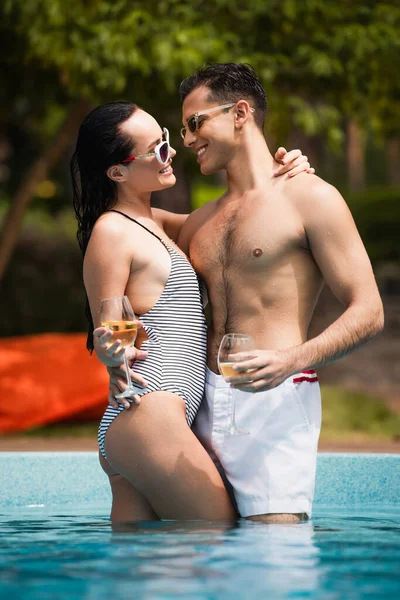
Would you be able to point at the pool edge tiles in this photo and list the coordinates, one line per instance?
(74, 479)
(351, 480)
(52, 480)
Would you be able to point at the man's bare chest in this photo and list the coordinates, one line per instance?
(246, 240)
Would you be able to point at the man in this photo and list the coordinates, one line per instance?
(264, 250)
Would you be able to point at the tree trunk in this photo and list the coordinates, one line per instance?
(393, 155)
(355, 156)
(176, 199)
(37, 172)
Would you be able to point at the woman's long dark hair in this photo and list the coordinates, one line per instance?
(100, 145)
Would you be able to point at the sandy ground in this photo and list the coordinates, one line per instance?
(38, 444)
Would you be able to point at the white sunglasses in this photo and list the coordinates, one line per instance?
(161, 151)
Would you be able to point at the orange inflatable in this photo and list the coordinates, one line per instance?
(47, 378)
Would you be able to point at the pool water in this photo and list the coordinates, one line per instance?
(64, 550)
(338, 555)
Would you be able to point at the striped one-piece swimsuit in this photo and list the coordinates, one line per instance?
(176, 344)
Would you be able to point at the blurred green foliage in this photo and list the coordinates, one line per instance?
(320, 61)
(376, 212)
(65, 429)
(203, 193)
(346, 412)
(39, 222)
(42, 289)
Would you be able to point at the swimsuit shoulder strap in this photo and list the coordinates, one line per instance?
(137, 223)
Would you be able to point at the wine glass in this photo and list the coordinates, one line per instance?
(117, 314)
(231, 344)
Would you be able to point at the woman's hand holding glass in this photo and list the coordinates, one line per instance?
(109, 349)
(112, 355)
(115, 338)
(118, 383)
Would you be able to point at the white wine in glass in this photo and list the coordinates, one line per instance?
(117, 314)
(231, 344)
(125, 331)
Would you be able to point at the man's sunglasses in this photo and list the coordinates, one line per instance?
(193, 122)
(161, 151)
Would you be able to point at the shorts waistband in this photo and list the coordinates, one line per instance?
(218, 381)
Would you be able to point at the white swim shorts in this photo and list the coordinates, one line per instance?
(271, 470)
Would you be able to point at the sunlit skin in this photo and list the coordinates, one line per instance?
(124, 259)
(145, 278)
(265, 248)
(134, 182)
(121, 260)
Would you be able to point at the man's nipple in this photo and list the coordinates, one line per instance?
(257, 252)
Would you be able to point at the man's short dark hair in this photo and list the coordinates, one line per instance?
(229, 82)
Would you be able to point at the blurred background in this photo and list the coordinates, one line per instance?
(331, 73)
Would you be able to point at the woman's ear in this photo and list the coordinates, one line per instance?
(117, 173)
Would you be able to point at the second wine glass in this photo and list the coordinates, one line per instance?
(117, 314)
(231, 344)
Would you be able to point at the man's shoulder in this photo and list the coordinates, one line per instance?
(308, 191)
(207, 208)
(193, 223)
(319, 204)
(200, 214)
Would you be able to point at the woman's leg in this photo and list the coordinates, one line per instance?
(128, 504)
(152, 446)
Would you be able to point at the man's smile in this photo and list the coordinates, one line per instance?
(200, 152)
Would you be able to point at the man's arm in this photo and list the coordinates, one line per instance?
(340, 254)
(172, 223)
(193, 223)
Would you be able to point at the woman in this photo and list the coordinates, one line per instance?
(157, 467)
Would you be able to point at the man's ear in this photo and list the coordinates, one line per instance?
(243, 111)
(117, 173)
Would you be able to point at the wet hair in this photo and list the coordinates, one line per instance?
(229, 82)
(100, 144)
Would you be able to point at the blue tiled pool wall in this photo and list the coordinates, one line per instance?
(68, 479)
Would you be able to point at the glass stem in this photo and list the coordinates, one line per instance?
(128, 378)
(233, 415)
